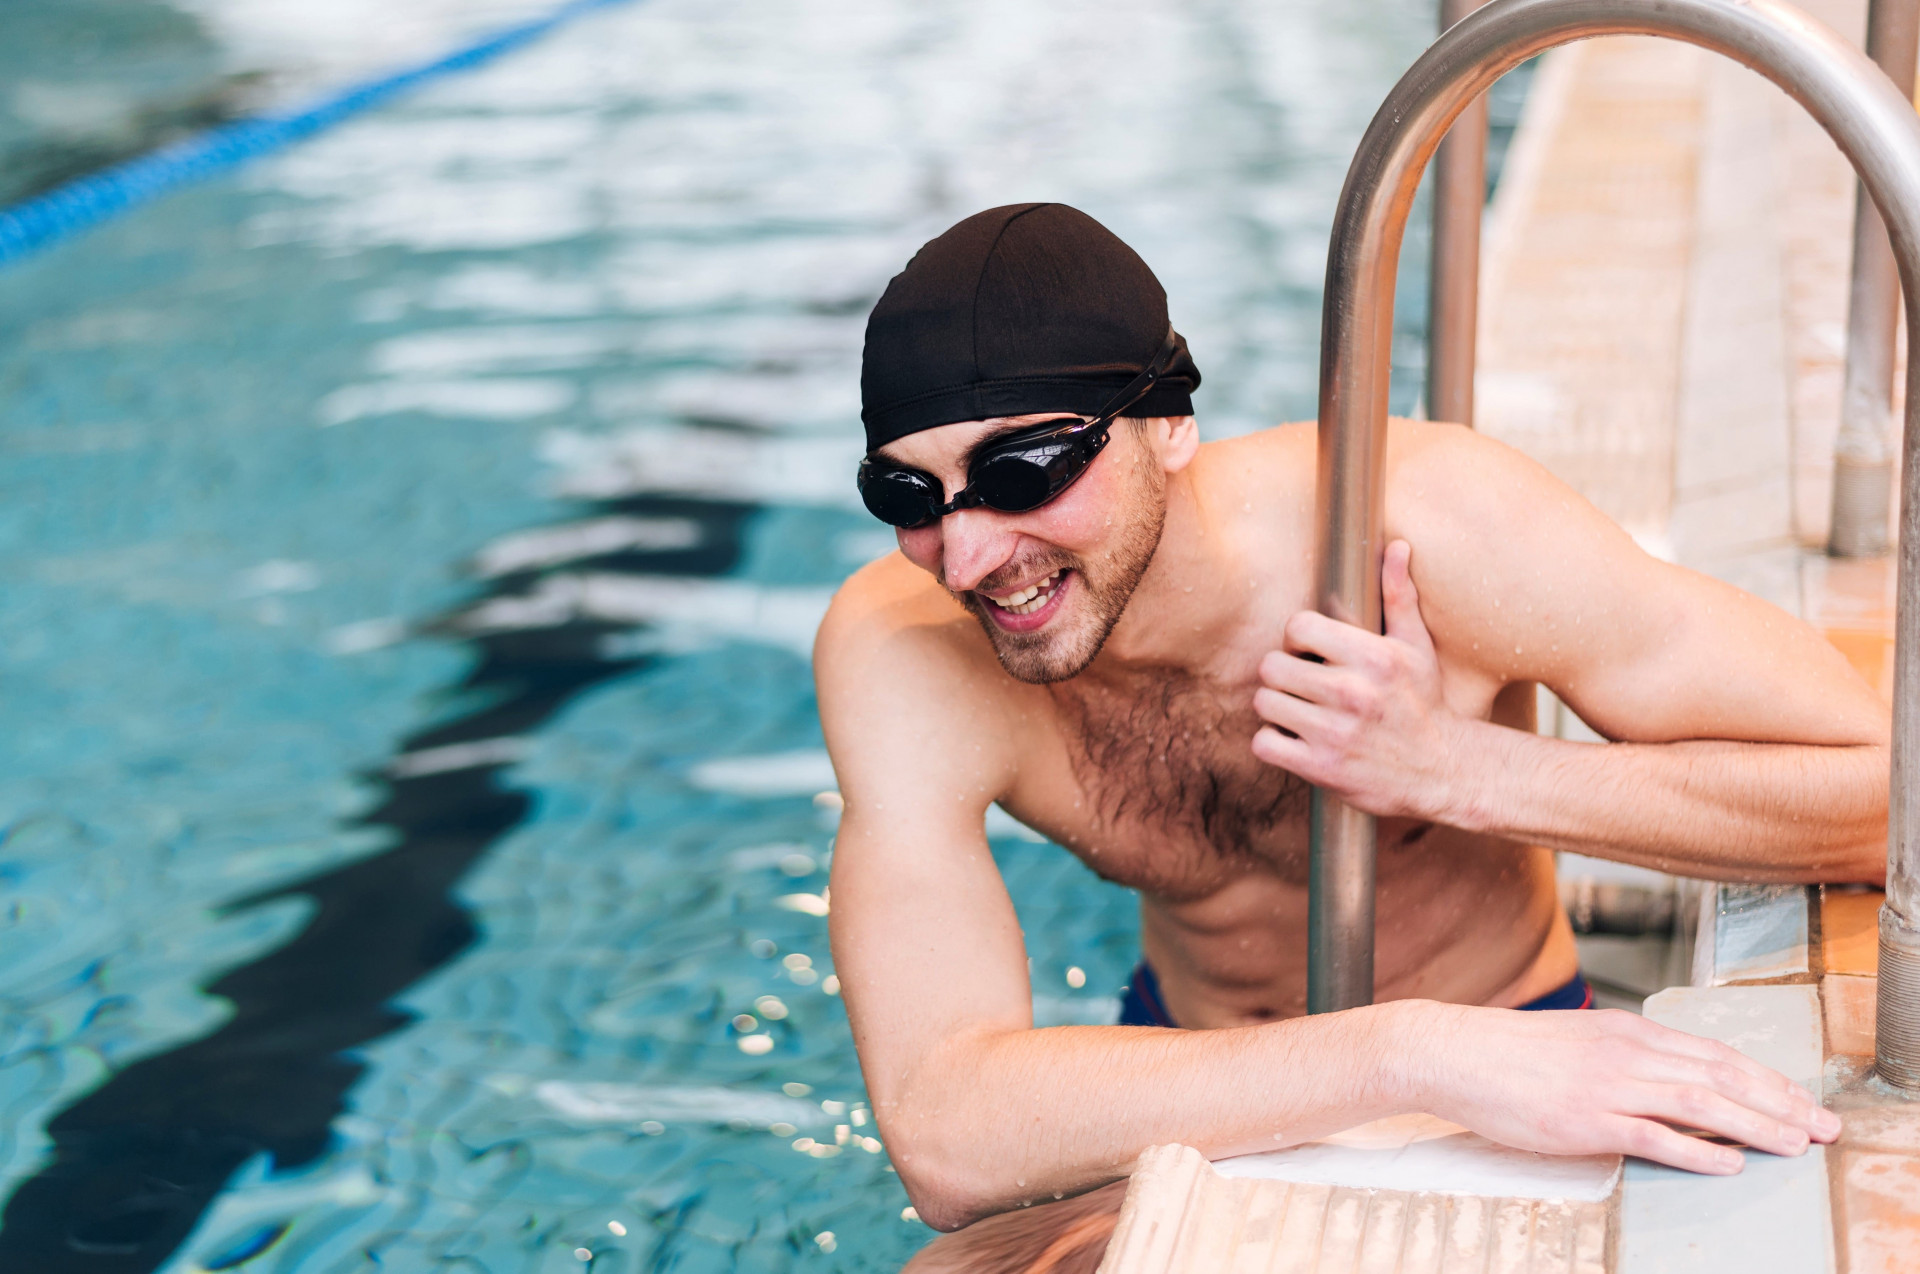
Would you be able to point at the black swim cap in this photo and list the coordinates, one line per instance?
(1034, 307)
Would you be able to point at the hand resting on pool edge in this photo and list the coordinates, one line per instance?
(1100, 624)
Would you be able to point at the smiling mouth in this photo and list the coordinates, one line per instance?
(1026, 601)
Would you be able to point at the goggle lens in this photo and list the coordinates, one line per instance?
(1012, 484)
(899, 497)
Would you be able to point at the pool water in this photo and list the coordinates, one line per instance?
(416, 820)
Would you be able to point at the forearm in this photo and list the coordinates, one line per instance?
(991, 1121)
(1748, 811)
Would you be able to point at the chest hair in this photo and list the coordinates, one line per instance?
(1179, 802)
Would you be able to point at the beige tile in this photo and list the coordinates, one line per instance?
(1850, 931)
(1881, 1198)
(1846, 1006)
(1586, 256)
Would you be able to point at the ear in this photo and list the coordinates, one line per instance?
(1177, 439)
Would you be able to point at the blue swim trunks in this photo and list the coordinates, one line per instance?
(1142, 1005)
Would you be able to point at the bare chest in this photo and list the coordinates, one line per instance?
(1165, 795)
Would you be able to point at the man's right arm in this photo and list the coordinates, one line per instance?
(981, 1112)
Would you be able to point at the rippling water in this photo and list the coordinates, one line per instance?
(409, 551)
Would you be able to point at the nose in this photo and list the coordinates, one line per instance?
(974, 543)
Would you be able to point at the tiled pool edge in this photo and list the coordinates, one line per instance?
(1863, 1192)
(1776, 1215)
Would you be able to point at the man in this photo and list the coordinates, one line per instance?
(1106, 627)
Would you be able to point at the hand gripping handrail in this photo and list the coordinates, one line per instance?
(1877, 129)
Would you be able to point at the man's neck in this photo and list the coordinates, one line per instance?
(1195, 596)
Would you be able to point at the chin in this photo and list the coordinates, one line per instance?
(1061, 650)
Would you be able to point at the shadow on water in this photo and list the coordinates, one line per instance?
(138, 1161)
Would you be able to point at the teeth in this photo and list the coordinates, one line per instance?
(1029, 599)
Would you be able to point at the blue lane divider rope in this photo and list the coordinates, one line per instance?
(36, 223)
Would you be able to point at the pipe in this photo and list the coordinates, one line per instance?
(1863, 452)
(1453, 267)
(1874, 125)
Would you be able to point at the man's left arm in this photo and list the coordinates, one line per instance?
(1744, 745)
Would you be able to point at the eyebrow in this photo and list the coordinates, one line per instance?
(981, 444)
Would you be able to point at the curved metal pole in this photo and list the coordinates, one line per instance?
(1863, 452)
(1874, 125)
(1453, 266)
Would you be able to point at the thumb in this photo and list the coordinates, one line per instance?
(1400, 600)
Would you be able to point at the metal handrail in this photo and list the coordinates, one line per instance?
(1453, 265)
(1863, 450)
(1875, 127)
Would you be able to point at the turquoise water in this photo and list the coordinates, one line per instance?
(409, 551)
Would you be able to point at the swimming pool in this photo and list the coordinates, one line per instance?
(412, 544)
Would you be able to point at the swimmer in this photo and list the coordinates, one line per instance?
(1107, 627)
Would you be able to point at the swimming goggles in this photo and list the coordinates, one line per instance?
(1014, 474)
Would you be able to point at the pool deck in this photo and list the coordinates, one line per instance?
(1663, 322)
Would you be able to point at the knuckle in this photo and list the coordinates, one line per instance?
(1725, 1077)
(1693, 1101)
(1641, 1139)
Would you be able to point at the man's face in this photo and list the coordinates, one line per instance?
(1047, 585)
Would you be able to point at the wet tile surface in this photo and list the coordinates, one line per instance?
(1775, 1215)
(1876, 1166)
(1183, 1217)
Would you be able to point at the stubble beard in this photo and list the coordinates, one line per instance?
(1102, 589)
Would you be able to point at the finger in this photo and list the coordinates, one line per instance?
(1649, 1140)
(1290, 754)
(1400, 600)
(1309, 632)
(1668, 1040)
(1296, 676)
(1296, 716)
(1767, 1092)
(1697, 1106)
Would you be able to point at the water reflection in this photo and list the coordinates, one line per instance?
(137, 1161)
(589, 324)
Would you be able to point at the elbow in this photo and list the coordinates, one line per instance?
(947, 1190)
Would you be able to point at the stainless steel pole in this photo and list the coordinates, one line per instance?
(1875, 126)
(1863, 452)
(1453, 267)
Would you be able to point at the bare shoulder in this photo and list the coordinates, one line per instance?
(892, 613)
(1449, 480)
(906, 677)
(1282, 450)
